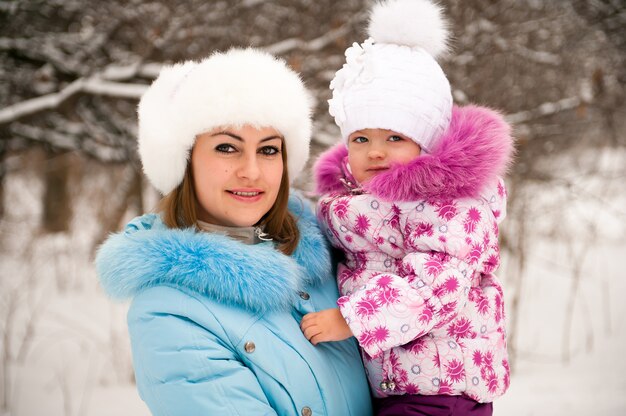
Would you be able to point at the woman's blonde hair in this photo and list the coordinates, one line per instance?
(178, 210)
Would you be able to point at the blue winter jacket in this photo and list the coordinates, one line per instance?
(214, 323)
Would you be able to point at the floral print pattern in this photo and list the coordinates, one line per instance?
(418, 291)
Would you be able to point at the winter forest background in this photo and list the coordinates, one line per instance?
(70, 75)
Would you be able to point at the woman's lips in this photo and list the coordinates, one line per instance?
(246, 195)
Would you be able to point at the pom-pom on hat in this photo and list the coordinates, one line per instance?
(233, 88)
(392, 81)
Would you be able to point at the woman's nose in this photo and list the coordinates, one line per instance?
(249, 168)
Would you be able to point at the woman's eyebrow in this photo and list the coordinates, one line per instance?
(227, 133)
(234, 136)
(271, 138)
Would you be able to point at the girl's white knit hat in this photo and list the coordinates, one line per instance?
(392, 81)
(234, 88)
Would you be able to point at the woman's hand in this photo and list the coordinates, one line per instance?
(326, 325)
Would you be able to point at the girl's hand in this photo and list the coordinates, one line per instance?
(326, 325)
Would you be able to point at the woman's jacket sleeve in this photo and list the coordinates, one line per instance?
(187, 366)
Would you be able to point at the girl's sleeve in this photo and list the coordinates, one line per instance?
(182, 367)
(392, 310)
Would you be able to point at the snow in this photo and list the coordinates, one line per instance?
(594, 381)
(70, 353)
(593, 384)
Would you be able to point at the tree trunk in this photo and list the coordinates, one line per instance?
(57, 206)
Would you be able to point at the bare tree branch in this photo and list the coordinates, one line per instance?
(288, 45)
(68, 141)
(545, 109)
(93, 85)
(100, 84)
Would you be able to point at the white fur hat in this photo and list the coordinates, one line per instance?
(241, 86)
(392, 81)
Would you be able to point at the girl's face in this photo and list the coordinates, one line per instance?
(371, 151)
(237, 174)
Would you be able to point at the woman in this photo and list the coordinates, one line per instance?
(221, 276)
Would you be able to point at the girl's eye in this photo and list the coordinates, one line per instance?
(225, 148)
(395, 139)
(269, 150)
(360, 139)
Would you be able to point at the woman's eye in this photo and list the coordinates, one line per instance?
(225, 148)
(395, 139)
(269, 150)
(360, 139)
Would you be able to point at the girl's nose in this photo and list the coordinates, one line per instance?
(376, 153)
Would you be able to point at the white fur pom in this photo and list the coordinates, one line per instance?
(411, 23)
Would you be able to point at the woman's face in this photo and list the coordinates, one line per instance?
(237, 174)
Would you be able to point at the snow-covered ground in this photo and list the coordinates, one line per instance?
(594, 381)
(69, 352)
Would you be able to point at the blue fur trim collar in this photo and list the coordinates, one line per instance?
(255, 277)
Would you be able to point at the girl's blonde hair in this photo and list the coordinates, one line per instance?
(178, 210)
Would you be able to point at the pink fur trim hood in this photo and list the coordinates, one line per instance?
(476, 148)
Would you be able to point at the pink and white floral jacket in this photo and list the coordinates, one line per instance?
(421, 247)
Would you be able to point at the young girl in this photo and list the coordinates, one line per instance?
(413, 198)
(221, 275)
